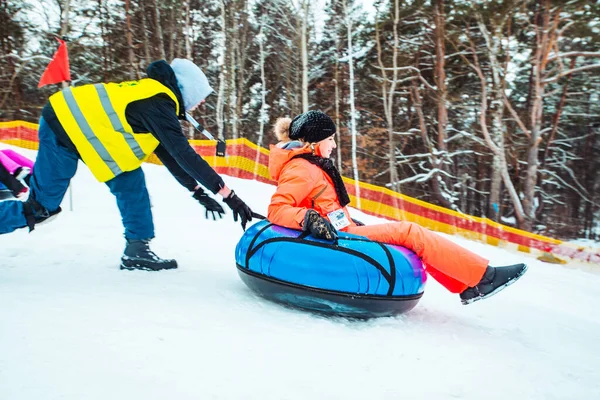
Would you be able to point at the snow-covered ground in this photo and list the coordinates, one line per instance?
(74, 326)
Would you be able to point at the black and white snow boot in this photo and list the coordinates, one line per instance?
(138, 255)
(37, 214)
(494, 280)
(21, 173)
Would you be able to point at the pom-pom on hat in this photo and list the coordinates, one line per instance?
(312, 127)
(191, 81)
(282, 129)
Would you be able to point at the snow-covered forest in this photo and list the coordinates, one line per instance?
(487, 107)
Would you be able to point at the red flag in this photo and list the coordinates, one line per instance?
(58, 69)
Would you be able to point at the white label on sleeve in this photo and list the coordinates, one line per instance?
(338, 219)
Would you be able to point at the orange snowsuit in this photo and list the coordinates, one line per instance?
(302, 186)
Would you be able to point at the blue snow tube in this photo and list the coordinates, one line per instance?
(353, 277)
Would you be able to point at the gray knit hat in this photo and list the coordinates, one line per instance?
(312, 127)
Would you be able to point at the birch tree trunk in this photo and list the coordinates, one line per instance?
(146, 40)
(133, 71)
(233, 92)
(498, 128)
(104, 40)
(187, 31)
(304, 52)
(388, 93)
(545, 27)
(352, 108)
(159, 33)
(172, 30)
(440, 75)
(437, 161)
(337, 102)
(64, 28)
(187, 37)
(263, 96)
(64, 17)
(390, 102)
(222, 75)
(263, 90)
(242, 56)
(233, 45)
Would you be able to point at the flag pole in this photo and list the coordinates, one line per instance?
(59, 71)
(66, 84)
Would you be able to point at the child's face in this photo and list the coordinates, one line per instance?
(326, 146)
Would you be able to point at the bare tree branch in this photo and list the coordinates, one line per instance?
(571, 71)
(556, 56)
(516, 117)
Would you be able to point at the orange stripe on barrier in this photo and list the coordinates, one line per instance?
(246, 160)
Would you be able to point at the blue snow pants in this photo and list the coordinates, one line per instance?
(54, 167)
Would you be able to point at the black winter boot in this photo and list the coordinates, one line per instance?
(138, 255)
(494, 280)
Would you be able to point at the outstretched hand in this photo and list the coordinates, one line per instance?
(239, 208)
(209, 203)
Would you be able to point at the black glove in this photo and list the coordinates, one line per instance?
(239, 208)
(318, 226)
(357, 222)
(209, 203)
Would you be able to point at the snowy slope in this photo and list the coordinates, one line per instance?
(73, 326)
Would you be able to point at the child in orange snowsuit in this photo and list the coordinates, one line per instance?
(311, 196)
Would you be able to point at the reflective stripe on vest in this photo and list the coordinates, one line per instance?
(88, 133)
(116, 122)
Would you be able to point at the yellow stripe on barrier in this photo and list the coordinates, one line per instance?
(26, 144)
(19, 124)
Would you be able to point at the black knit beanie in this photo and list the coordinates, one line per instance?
(312, 127)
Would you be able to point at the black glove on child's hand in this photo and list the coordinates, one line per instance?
(318, 226)
(239, 208)
(209, 203)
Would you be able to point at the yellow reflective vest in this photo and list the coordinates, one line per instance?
(94, 118)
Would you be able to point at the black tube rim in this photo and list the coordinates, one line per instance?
(330, 292)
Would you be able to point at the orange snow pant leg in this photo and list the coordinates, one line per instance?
(455, 267)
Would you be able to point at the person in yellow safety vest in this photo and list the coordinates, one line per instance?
(113, 128)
